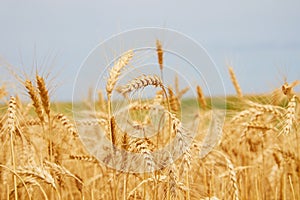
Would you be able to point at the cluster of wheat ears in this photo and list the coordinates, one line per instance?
(254, 154)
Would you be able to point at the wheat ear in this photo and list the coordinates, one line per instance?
(232, 175)
(44, 94)
(141, 82)
(101, 101)
(160, 58)
(113, 128)
(37, 172)
(35, 99)
(85, 158)
(200, 97)
(116, 71)
(174, 102)
(67, 124)
(235, 82)
(290, 116)
(143, 147)
(182, 92)
(58, 169)
(172, 182)
(3, 91)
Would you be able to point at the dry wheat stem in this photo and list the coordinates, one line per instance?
(110, 84)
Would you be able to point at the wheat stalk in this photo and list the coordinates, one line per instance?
(11, 126)
(110, 85)
(142, 146)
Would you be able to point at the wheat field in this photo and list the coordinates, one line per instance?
(252, 152)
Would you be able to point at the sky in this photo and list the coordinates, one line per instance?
(259, 38)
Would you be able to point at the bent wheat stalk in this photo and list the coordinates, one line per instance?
(110, 85)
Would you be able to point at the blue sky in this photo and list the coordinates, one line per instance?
(260, 38)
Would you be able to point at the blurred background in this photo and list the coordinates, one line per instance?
(259, 38)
